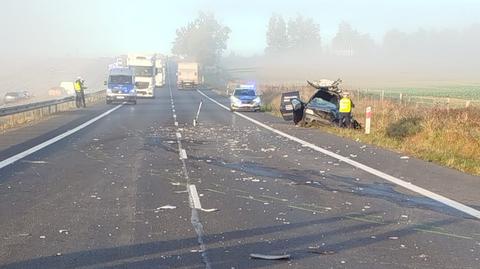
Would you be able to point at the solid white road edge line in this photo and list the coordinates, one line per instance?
(437, 197)
(47, 143)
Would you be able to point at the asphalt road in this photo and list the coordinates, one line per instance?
(142, 187)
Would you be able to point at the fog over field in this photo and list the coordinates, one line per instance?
(39, 75)
(424, 57)
(369, 43)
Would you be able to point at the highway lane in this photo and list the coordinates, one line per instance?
(282, 183)
(94, 200)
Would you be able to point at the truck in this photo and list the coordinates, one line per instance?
(143, 67)
(68, 87)
(121, 86)
(188, 75)
(159, 71)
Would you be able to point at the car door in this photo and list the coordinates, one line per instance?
(286, 107)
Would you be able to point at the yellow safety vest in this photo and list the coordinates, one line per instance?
(77, 86)
(345, 105)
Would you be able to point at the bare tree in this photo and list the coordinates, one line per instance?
(203, 40)
(349, 42)
(303, 33)
(277, 38)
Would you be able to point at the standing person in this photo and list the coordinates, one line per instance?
(80, 92)
(345, 109)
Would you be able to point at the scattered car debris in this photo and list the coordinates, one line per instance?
(34, 162)
(209, 210)
(24, 234)
(166, 207)
(322, 251)
(269, 257)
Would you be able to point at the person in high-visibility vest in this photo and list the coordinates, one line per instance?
(345, 110)
(79, 93)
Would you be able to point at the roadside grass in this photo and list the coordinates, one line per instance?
(449, 137)
(467, 92)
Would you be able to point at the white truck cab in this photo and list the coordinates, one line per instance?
(143, 68)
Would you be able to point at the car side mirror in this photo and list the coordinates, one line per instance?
(136, 84)
(105, 83)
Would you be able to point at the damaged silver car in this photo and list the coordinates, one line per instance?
(321, 108)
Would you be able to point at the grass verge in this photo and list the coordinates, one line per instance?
(449, 137)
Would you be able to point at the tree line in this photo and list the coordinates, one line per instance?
(205, 40)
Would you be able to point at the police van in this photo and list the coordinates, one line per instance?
(121, 86)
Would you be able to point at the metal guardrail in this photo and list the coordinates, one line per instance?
(31, 106)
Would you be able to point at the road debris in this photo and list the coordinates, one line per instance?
(34, 162)
(404, 157)
(24, 234)
(269, 257)
(210, 210)
(321, 251)
(63, 231)
(166, 207)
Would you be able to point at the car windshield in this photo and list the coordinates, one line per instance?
(319, 102)
(244, 92)
(120, 79)
(143, 71)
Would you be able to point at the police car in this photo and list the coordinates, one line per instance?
(245, 98)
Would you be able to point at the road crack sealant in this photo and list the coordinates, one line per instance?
(191, 190)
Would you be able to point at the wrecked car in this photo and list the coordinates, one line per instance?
(321, 108)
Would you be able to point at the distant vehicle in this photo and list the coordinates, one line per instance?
(159, 71)
(13, 97)
(121, 86)
(245, 98)
(57, 92)
(119, 62)
(321, 108)
(143, 67)
(188, 75)
(69, 87)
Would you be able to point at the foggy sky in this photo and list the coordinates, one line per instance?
(91, 28)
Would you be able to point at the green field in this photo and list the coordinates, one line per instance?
(459, 92)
